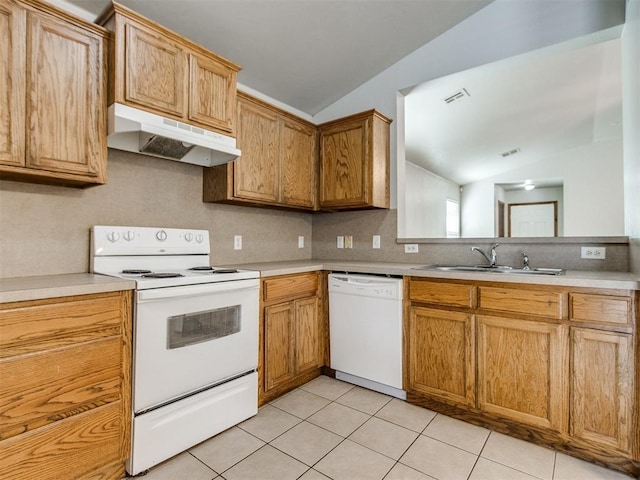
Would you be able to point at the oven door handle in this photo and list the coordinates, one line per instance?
(196, 290)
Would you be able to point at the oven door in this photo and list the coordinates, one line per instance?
(188, 338)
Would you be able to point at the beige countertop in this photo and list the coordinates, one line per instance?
(572, 278)
(51, 286)
(17, 289)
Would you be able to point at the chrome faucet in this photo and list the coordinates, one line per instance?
(491, 257)
(525, 261)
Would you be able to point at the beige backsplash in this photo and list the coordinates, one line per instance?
(45, 229)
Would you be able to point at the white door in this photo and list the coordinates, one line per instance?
(532, 220)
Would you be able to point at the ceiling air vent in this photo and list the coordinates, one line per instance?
(510, 152)
(457, 96)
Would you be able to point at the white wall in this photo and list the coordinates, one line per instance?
(631, 127)
(425, 210)
(590, 185)
(502, 29)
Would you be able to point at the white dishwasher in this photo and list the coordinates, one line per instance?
(365, 331)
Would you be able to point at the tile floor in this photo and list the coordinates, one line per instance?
(328, 429)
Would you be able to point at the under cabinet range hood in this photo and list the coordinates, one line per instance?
(139, 131)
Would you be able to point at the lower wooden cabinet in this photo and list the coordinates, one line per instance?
(442, 354)
(65, 387)
(556, 365)
(602, 396)
(292, 333)
(522, 370)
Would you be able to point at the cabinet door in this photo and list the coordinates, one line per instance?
(155, 72)
(441, 354)
(344, 153)
(602, 387)
(278, 344)
(212, 98)
(298, 164)
(12, 72)
(307, 335)
(256, 171)
(522, 367)
(65, 99)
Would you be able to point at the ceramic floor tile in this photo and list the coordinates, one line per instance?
(349, 461)
(307, 442)
(457, 433)
(181, 467)
(402, 472)
(406, 415)
(312, 474)
(226, 448)
(269, 423)
(384, 437)
(338, 419)
(488, 470)
(365, 400)
(570, 468)
(327, 387)
(301, 403)
(267, 463)
(438, 459)
(520, 455)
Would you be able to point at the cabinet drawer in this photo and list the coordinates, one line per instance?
(452, 294)
(31, 326)
(290, 286)
(539, 303)
(56, 384)
(71, 448)
(600, 308)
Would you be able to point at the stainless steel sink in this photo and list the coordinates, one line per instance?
(488, 269)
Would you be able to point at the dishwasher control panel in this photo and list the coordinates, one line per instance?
(366, 285)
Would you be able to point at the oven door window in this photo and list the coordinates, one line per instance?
(198, 327)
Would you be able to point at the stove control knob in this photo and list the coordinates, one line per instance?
(161, 235)
(129, 235)
(188, 236)
(199, 238)
(113, 237)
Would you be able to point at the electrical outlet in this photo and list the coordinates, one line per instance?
(237, 242)
(375, 243)
(411, 248)
(340, 241)
(348, 241)
(593, 253)
(300, 241)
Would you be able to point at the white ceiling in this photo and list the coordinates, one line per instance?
(305, 53)
(546, 102)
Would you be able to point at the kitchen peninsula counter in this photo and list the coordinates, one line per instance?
(571, 278)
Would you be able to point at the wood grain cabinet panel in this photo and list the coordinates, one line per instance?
(522, 370)
(292, 336)
(602, 392)
(449, 294)
(604, 309)
(278, 164)
(157, 70)
(537, 303)
(53, 129)
(442, 355)
(12, 81)
(354, 162)
(65, 387)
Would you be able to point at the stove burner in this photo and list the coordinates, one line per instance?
(225, 270)
(201, 269)
(135, 272)
(162, 275)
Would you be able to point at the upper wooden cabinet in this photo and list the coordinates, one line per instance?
(278, 164)
(354, 162)
(52, 96)
(157, 70)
